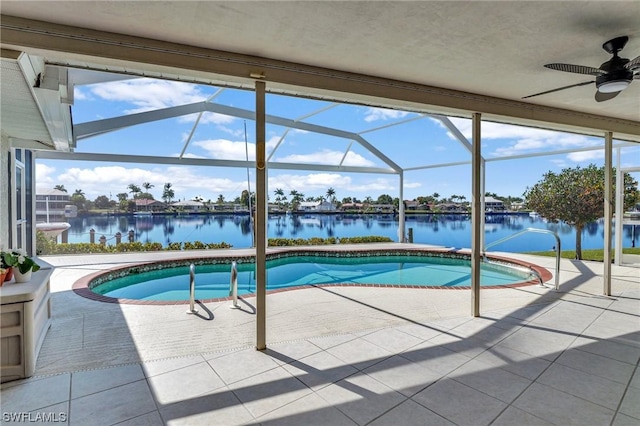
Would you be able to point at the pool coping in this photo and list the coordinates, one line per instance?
(82, 287)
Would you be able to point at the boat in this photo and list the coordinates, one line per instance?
(143, 213)
(52, 229)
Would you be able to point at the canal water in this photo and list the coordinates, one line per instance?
(445, 230)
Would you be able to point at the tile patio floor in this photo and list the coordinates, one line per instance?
(343, 356)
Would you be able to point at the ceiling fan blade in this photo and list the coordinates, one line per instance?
(633, 64)
(601, 97)
(576, 69)
(584, 83)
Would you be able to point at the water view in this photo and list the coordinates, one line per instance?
(453, 230)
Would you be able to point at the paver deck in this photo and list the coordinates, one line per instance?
(342, 355)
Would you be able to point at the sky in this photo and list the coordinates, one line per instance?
(418, 141)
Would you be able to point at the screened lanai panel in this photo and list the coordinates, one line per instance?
(295, 108)
(357, 118)
(441, 181)
(161, 138)
(506, 140)
(309, 147)
(417, 143)
(346, 187)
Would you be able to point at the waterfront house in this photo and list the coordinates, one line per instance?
(493, 204)
(352, 207)
(144, 205)
(316, 206)
(188, 206)
(53, 202)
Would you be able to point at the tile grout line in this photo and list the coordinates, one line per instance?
(535, 380)
(624, 394)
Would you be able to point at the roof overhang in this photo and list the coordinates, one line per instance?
(85, 48)
(35, 110)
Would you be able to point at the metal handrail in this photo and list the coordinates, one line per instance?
(192, 289)
(233, 284)
(539, 231)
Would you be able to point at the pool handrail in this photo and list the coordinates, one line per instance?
(233, 284)
(192, 289)
(534, 230)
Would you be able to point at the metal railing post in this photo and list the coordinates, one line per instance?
(192, 289)
(233, 285)
(557, 286)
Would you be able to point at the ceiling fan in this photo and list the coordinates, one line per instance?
(612, 77)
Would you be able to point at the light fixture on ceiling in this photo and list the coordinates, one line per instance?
(614, 85)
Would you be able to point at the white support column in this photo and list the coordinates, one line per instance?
(476, 214)
(608, 211)
(261, 218)
(619, 212)
(401, 225)
(483, 209)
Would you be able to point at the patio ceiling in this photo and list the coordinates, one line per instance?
(438, 57)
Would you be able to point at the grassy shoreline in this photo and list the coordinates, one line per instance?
(590, 254)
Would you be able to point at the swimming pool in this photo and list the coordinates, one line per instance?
(169, 281)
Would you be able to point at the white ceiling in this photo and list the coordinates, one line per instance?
(496, 49)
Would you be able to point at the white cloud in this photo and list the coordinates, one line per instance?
(561, 164)
(520, 139)
(376, 186)
(411, 185)
(44, 175)
(225, 149)
(79, 94)
(377, 114)
(187, 155)
(149, 94)
(209, 117)
(309, 183)
(584, 156)
(237, 133)
(329, 157)
(104, 180)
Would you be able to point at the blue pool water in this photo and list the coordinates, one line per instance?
(212, 281)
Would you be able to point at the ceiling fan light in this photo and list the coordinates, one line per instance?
(613, 86)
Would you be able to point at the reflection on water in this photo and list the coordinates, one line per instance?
(452, 230)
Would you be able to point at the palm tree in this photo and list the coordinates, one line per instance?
(279, 194)
(167, 193)
(331, 195)
(78, 199)
(147, 186)
(134, 189)
(296, 198)
(220, 199)
(60, 188)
